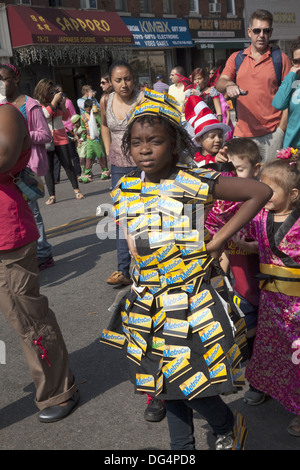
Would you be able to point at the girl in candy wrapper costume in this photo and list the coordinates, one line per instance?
(178, 325)
(274, 366)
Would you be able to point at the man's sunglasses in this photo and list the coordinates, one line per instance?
(259, 30)
(296, 61)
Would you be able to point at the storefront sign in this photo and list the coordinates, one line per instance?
(161, 33)
(284, 17)
(205, 27)
(31, 25)
(222, 45)
(206, 46)
(216, 34)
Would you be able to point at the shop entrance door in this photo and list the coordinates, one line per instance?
(72, 80)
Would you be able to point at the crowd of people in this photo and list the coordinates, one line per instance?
(159, 158)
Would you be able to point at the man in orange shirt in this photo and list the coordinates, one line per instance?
(256, 117)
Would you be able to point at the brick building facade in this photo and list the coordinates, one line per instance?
(191, 33)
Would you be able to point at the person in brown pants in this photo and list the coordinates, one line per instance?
(20, 300)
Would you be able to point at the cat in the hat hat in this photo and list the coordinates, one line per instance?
(209, 132)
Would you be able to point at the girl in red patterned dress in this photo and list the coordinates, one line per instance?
(274, 366)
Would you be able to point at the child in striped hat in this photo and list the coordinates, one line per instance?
(209, 132)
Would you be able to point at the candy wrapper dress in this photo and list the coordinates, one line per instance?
(182, 334)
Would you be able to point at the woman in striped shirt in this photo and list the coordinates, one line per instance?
(53, 103)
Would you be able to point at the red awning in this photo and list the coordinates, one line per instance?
(42, 26)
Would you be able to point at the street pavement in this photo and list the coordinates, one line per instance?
(109, 416)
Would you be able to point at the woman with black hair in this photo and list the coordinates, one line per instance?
(114, 122)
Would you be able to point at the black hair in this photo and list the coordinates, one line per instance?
(119, 63)
(295, 46)
(88, 103)
(179, 69)
(13, 70)
(183, 147)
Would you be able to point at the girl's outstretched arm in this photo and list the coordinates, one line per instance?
(254, 194)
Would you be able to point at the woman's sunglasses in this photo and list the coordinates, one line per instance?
(103, 83)
(296, 61)
(259, 30)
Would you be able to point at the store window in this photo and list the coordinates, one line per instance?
(219, 57)
(121, 5)
(147, 65)
(231, 7)
(88, 4)
(55, 3)
(194, 6)
(145, 6)
(213, 58)
(209, 62)
(23, 2)
(168, 6)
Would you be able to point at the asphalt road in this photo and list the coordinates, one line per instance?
(110, 415)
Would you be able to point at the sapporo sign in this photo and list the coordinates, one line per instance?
(57, 26)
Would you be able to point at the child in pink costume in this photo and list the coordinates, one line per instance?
(274, 365)
(226, 116)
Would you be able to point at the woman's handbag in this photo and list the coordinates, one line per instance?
(30, 185)
(50, 146)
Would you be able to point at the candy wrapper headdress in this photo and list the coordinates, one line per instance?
(159, 104)
(201, 117)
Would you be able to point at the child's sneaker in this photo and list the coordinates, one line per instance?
(45, 263)
(225, 441)
(156, 409)
(254, 397)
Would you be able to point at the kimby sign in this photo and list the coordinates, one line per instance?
(30, 25)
